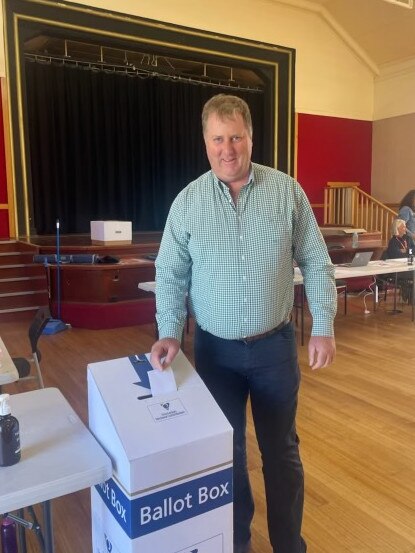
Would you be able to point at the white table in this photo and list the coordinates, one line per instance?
(8, 371)
(341, 273)
(59, 455)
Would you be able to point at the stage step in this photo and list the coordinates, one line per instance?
(23, 285)
(14, 258)
(21, 270)
(8, 245)
(16, 300)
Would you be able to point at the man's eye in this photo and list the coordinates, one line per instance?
(236, 138)
(217, 140)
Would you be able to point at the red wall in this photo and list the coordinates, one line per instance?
(4, 216)
(332, 149)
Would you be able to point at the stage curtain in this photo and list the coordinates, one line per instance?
(104, 145)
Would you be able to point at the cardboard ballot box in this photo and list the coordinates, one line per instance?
(111, 232)
(171, 491)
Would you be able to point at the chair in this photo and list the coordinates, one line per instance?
(23, 364)
(341, 287)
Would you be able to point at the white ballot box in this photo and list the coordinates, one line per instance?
(111, 232)
(171, 490)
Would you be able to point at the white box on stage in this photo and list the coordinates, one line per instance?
(171, 490)
(111, 232)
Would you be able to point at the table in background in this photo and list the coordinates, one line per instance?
(340, 273)
(59, 456)
(8, 371)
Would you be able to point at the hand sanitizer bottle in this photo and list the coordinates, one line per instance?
(9, 434)
(410, 257)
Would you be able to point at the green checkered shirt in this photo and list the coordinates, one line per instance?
(234, 264)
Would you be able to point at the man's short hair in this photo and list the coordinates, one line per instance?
(227, 106)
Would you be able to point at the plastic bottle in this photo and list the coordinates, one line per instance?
(8, 536)
(9, 434)
(355, 240)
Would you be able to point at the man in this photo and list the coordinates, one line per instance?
(228, 249)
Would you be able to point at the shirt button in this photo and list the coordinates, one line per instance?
(243, 258)
(240, 238)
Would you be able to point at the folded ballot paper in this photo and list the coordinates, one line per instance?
(171, 448)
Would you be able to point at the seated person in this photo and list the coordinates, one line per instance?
(398, 247)
(400, 242)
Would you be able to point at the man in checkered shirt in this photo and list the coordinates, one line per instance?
(227, 252)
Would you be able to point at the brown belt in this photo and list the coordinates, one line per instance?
(264, 334)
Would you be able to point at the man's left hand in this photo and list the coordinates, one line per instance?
(321, 351)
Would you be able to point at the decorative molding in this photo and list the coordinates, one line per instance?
(396, 69)
(337, 28)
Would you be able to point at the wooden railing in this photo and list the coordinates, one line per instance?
(346, 205)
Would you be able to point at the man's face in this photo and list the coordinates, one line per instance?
(229, 148)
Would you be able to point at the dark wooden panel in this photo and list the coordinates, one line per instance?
(100, 283)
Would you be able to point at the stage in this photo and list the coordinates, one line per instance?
(100, 295)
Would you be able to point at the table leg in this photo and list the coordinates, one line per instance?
(48, 529)
(395, 311)
(21, 530)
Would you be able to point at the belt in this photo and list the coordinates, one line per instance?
(256, 337)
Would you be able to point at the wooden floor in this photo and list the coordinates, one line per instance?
(356, 422)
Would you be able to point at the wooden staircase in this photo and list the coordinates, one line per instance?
(346, 205)
(23, 284)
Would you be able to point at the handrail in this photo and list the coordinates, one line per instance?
(346, 205)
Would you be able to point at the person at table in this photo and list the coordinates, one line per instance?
(398, 247)
(229, 243)
(400, 243)
(407, 212)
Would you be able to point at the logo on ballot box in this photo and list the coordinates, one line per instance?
(167, 410)
(169, 506)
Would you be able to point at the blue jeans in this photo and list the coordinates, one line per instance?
(267, 371)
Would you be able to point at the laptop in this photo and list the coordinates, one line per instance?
(360, 259)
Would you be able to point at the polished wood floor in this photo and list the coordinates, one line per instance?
(356, 422)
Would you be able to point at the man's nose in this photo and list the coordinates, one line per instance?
(229, 146)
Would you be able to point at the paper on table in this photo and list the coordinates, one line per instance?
(162, 382)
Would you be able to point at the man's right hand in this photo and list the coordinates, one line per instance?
(166, 348)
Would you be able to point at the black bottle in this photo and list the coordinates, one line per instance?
(410, 257)
(9, 434)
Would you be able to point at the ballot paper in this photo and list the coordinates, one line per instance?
(162, 382)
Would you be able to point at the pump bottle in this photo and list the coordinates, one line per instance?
(410, 257)
(9, 434)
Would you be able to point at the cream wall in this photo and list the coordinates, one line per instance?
(393, 155)
(395, 90)
(331, 78)
(393, 147)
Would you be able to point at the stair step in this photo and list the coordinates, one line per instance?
(12, 301)
(21, 279)
(16, 271)
(13, 258)
(21, 284)
(8, 245)
(20, 293)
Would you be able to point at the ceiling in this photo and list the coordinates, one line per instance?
(380, 31)
(383, 30)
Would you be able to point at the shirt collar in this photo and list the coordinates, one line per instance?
(250, 181)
